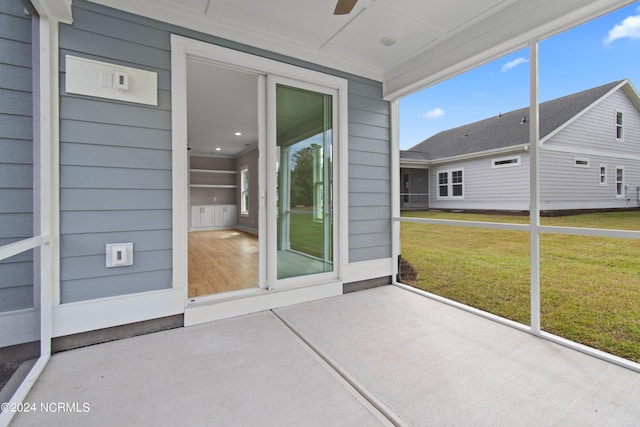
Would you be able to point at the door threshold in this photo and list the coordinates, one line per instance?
(248, 301)
(224, 296)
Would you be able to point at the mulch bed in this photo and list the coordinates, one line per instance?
(6, 371)
(406, 272)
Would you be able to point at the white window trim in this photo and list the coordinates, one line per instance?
(623, 195)
(518, 162)
(449, 173)
(438, 185)
(244, 211)
(578, 162)
(615, 121)
(600, 174)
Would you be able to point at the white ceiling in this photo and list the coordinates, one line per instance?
(434, 38)
(220, 102)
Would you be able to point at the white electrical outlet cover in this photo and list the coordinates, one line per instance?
(119, 254)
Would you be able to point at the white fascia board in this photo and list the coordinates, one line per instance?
(465, 51)
(57, 10)
(266, 41)
(424, 164)
(480, 154)
(632, 93)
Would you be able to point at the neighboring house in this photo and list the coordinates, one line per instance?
(589, 157)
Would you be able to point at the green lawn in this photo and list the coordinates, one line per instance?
(590, 286)
(307, 234)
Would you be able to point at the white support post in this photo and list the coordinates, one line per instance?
(534, 188)
(395, 186)
(48, 241)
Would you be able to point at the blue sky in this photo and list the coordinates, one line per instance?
(598, 52)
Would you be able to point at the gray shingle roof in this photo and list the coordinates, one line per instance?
(507, 129)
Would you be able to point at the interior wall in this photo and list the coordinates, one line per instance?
(249, 160)
(213, 196)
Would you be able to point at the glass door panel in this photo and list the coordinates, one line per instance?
(304, 194)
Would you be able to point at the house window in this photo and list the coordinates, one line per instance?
(456, 183)
(619, 182)
(443, 184)
(619, 126)
(580, 162)
(451, 184)
(505, 162)
(603, 174)
(244, 192)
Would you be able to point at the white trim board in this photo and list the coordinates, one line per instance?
(259, 301)
(182, 49)
(364, 270)
(73, 318)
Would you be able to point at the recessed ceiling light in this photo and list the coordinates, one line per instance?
(238, 133)
(388, 41)
(218, 148)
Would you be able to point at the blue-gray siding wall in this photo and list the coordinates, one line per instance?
(16, 153)
(116, 160)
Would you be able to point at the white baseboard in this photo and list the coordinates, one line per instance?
(73, 318)
(247, 229)
(357, 271)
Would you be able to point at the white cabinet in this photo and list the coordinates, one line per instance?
(213, 216)
(224, 216)
(202, 216)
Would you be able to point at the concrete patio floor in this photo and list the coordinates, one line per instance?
(377, 357)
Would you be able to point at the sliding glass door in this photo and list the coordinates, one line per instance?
(302, 139)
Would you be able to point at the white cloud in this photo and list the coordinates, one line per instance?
(433, 114)
(511, 64)
(629, 28)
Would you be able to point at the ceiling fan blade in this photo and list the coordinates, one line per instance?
(344, 7)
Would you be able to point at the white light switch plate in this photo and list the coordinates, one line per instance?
(112, 81)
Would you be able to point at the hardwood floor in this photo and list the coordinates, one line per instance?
(221, 261)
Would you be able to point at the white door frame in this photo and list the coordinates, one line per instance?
(273, 157)
(183, 48)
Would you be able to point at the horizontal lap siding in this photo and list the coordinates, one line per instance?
(115, 165)
(485, 187)
(16, 154)
(595, 130)
(116, 159)
(592, 137)
(563, 186)
(369, 173)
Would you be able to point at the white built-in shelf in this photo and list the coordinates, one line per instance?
(213, 171)
(212, 186)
